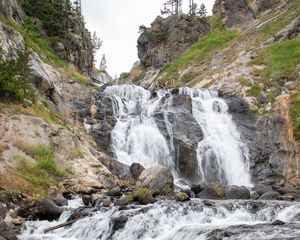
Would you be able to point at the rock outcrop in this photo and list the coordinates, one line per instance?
(233, 13)
(10, 9)
(157, 179)
(168, 38)
(185, 139)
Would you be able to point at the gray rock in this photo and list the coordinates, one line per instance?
(10, 9)
(263, 5)
(237, 192)
(120, 202)
(3, 211)
(168, 38)
(47, 210)
(27, 102)
(215, 191)
(60, 50)
(272, 195)
(106, 202)
(181, 197)
(261, 189)
(277, 223)
(286, 197)
(254, 195)
(136, 170)
(233, 13)
(114, 192)
(196, 188)
(58, 199)
(6, 232)
(157, 179)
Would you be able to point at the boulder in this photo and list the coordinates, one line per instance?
(47, 210)
(158, 179)
(272, 195)
(261, 189)
(233, 13)
(136, 170)
(197, 188)
(114, 192)
(237, 192)
(144, 196)
(58, 199)
(181, 197)
(215, 191)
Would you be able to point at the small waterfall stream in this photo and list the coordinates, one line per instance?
(168, 220)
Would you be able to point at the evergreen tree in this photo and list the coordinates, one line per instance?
(103, 65)
(96, 42)
(172, 7)
(202, 10)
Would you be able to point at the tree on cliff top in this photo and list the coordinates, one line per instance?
(172, 7)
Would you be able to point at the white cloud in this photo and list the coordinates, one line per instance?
(117, 22)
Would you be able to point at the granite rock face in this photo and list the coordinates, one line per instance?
(168, 38)
(233, 13)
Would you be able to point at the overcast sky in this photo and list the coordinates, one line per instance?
(117, 23)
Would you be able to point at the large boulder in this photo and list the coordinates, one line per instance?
(214, 191)
(168, 38)
(272, 195)
(237, 192)
(158, 179)
(47, 210)
(136, 170)
(233, 13)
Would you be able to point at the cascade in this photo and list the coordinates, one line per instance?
(222, 156)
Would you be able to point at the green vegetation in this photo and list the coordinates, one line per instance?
(199, 52)
(76, 153)
(254, 90)
(45, 171)
(15, 76)
(280, 59)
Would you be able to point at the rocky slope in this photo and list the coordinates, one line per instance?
(244, 57)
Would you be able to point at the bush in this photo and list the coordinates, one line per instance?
(15, 76)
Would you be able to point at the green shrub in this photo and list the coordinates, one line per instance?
(15, 76)
(254, 91)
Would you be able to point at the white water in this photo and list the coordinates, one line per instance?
(221, 153)
(180, 221)
(136, 137)
(222, 156)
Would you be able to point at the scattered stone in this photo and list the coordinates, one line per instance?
(277, 223)
(157, 179)
(114, 192)
(136, 170)
(196, 188)
(181, 197)
(272, 195)
(106, 202)
(237, 192)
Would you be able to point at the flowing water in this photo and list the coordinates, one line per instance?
(222, 156)
(168, 220)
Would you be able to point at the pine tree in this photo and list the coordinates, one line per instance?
(103, 65)
(202, 10)
(172, 7)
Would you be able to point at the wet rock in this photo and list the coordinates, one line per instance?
(6, 232)
(145, 196)
(136, 170)
(272, 195)
(196, 188)
(254, 195)
(261, 189)
(286, 197)
(233, 13)
(237, 192)
(277, 223)
(114, 192)
(181, 197)
(78, 214)
(106, 202)
(58, 199)
(118, 223)
(215, 191)
(47, 210)
(157, 179)
(120, 202)
(121, 170)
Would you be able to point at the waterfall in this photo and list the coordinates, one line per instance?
(168, 220)
(135, 137)
(222, 156)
